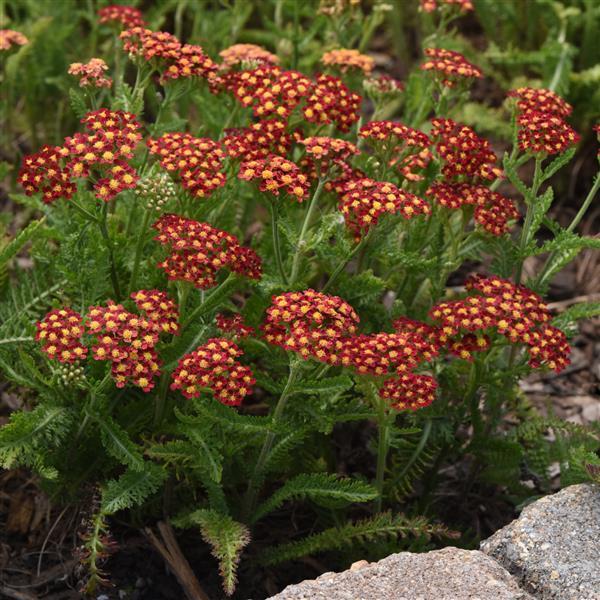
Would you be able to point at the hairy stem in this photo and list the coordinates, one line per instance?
(138, 250)
(276, 241)
(111, 255)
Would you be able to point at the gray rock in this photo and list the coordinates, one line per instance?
(553, 548)
(448, 574)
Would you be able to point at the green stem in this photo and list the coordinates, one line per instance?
(307, 219)
(253, 483)
(161, 399)
(562, 59)
(342, 264)
(383, 445)
(276, 241)
(138, 250)
(111, 255)
(211, 301)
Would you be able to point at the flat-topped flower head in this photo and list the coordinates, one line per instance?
(197, 252)
(542, 100)
(91, 74)
(233, 325)
(240, 54)
(331, 102)
(126, 16)
(429, 6)
(450, 67)
(275, 174)
(60, 333)
(348, 60)
(382, 88)
(493, 211)
(364, 201)
(310, 323)
(325, 153)
(159, 308)
(258, 140)
(409, 391)
(401, 146)
(197, 161)
(544, 133)
(463, 152)
(513, 311)
(10, 38)
(213, 367)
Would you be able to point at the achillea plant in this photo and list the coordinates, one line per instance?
(227, 278)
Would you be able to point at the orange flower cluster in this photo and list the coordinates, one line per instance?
(330, 101)
(247, 53)
(310, 323)
(363, 201)
(492, 210)
(325, 153)
(198, 252)
(126, 340)
(60, 332)
(234, 325)
(127, 16)
(91, 73)
(514, 311)
(348, 60)
(541, 100)
(258, 140)
(269, 90)
(451, 66)
(197, 161)
(159, 308)
(399, 145)
(113, 138)
(464, 153)
(431, 5)
(10, 38)
(213, 367)
(178, 60)
(275, 173)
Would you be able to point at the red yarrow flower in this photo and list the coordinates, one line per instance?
(492, 210)
(542, 100)
(213, 367)
(310, 323)
(246, 53)
(61, 334)
(234, 325)
(544, 133)
(431, 5)
(258, 140)
(159, 308)
(449, 66)
(198, 252)
(127, 16)
(463, 152)
(10, 38)
(326, 153)
(348, 60)
(91, 73)
(410, 391)
(364, 201)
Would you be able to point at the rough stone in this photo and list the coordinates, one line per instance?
(553, 548)
(448, 574)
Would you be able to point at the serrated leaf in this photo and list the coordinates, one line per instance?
(78, 103)
(208, 457)
(118, 444)
(577, 312)
(328, 385)
(513, 176)
(560, 161)
(132, 488)
(14, 246)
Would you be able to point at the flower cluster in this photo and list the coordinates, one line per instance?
(198, 252)
(234, 325)
(492, 210)
(128, 341)
(247, 54)
(544, 133)
(409, 391)
(383, 87)
(258, 140)
(275, 173)
(126, 16)
(452, 67)
(10, 38)
(330, 101)
(310, 323)
(156, 191)
(159, 308)
(325, 153)
(347, 60)
(213, 366)
(176, 60)
(464, 153)
(197, 161)
(91, 73)
(542, 100)
(432, 5)
(112, 139)
(60, 332)
(363, 201)
(399, 145)
(514, 311)
(269, 90)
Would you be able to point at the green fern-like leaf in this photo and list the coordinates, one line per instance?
(320, 487)
(382, 526)
(226, 537)
(118, 443)
(132, 488)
